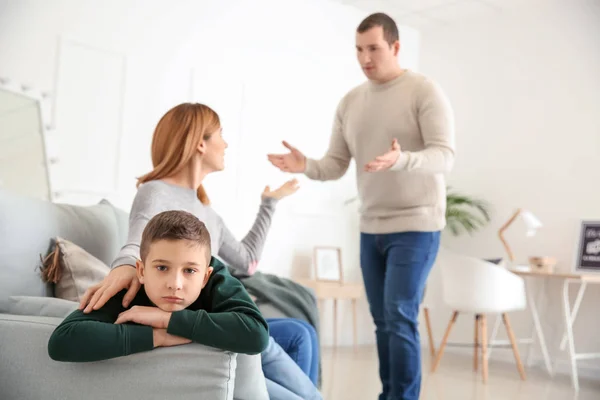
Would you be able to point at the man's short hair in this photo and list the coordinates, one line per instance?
(175, 225)
(390, 29)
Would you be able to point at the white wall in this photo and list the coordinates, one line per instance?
(525, 87)
(274, 70)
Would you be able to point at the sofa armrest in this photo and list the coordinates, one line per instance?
(181, 372)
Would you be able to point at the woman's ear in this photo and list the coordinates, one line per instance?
(202, 147)
(139, 269)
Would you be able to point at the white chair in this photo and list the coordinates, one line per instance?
(471, 285)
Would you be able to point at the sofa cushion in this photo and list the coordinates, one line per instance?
(41, 306)
(250, 383)
(188, 372)
(72, 270)
(27, 226)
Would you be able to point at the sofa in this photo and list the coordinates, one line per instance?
(29, 312)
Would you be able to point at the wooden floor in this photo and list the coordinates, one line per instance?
(350, 375)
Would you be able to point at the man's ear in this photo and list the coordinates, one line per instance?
(396, 47)
(207, 274)
(139, 268)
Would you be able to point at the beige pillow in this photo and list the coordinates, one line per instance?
(72, 270)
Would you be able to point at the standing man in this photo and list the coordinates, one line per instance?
(399, 127)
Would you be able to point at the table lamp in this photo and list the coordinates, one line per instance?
(531, 221)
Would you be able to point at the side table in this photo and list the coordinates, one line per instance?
(337, 291)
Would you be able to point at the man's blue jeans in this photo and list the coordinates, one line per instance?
(395, 268)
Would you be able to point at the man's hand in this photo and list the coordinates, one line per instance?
(163, 339)
(385, 161)
(288, 188)
(151, 316)
(294, 161)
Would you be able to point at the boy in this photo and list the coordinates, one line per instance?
(186, 296)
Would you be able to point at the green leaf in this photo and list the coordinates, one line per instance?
(465, 214)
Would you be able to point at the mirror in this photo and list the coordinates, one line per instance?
(22, 145)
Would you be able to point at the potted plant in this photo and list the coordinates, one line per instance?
(465, 214)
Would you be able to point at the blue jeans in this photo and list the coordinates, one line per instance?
(285, 380)
(299, 340)
(395, 268)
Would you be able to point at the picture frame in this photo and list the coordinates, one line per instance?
(327, 262)
(587, 255)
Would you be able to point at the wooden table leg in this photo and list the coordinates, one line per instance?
(476, 343)
(484, 347)
(355, 328)
(335, 322)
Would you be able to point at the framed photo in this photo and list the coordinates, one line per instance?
(588, 247)
(328, 264)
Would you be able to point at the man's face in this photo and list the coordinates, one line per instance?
(174, 273)
(377, 58)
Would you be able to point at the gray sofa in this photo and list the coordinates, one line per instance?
(29, 314)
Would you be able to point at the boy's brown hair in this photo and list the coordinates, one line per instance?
(387, 23)
(175, 225)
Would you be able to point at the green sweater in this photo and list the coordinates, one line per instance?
(224, 316)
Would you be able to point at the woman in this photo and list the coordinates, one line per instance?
(188, 145)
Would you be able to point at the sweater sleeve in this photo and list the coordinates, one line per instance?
(232, 321)
(94, 336)
(436, 121)
(337, 158)
(144, 207)
(245, 255)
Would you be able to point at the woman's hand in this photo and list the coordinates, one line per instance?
(288, 188)
(121, 277)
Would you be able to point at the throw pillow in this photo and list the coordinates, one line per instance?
(40, 306)
(72, 270)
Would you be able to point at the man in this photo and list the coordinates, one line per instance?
(401, 187)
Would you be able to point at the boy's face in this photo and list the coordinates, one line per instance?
(174, 273)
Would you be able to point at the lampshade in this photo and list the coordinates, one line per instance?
(531, 221)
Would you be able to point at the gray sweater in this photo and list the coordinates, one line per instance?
(157, 196)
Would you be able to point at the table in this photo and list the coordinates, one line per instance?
(335, 291)
(583, 279)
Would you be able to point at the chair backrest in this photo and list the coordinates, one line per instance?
(471, 284)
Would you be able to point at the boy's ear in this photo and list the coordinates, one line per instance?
(209, 271)
(139, 268)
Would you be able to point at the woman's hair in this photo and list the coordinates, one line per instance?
(176, 138)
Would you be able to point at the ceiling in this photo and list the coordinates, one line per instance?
(427, 14)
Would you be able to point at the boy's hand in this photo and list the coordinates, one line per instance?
(163, 339)
(151, 316)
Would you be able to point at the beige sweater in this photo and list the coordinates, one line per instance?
(411, 196)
